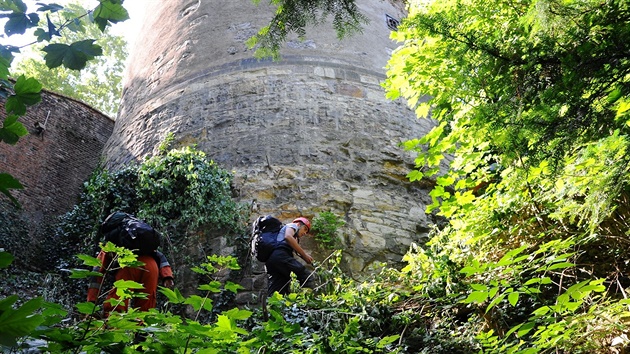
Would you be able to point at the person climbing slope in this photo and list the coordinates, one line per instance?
(125, 230)
(282, 263)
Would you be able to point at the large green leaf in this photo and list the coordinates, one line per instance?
(16, 323)
(49, 7)
(19, 22)
(174, 296)
(6, 58)
(8, 182)
(6, 303)
(90, 261)
(238, 314)
(27, 92)
(12, 130)
(12, 5)
(109, 11)
(83, 273)
(86, 308)
(4, 68)
(6, 259)
(74, 56)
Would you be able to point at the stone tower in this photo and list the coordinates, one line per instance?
(312, 132)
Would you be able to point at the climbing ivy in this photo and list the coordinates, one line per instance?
(180, 192)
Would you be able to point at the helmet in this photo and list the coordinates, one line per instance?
(303, 221)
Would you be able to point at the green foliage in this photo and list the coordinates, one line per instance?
(181, 193)
(26, 92)
(530, 164)
(325, 227)
(74, 56)
(7, 182)
(99, 84)
(531, 111)
(348, 316)
(109, 12)
(148, 331)
(6, 258)
(15, 323)
(295, 16)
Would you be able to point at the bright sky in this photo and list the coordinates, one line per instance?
(131, 27)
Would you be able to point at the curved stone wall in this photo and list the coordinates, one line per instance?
(309, 133)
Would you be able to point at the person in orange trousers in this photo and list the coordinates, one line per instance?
(155, 267)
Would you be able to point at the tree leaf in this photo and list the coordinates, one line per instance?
(4, 68)
(385, 341)
(213, 286)
(174, 296)
(86, 308)
(524, 329)
(19, 322)
(74, 56)
(12, 5)
(233, 287)
(513, 298)
(109, 11)
(83, 273)
(476, 297)
(12, 130)
(198, 302)
(27, 93)
(89, 260)
(6, 259)
(19, 22)
(127, 284)
(561, 265)
(8, 182)
(238, 314)
(49, 7)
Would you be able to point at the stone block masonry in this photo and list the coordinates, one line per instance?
(311, 132)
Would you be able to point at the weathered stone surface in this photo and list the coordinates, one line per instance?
(312, 132)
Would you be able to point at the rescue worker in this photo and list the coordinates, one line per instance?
(155, 267)
(281, 263)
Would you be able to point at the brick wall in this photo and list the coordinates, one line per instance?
(53, 163)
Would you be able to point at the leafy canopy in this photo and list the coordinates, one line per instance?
(529, 158)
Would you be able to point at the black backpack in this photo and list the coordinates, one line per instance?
(264, 236)
(125, 230)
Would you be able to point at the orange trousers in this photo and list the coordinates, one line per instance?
(147, 275)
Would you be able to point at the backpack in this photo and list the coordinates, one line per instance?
(264, 236)
(125, 230)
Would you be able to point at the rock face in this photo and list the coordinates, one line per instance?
(311, 132)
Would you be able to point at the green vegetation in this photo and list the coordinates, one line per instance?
(181, 193)
(531, 101)
(295, 16)
(535, 249)
(99, 84)
(290, 328)
(325, 228)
